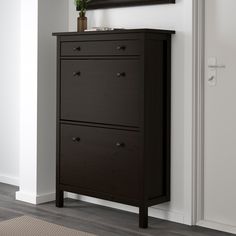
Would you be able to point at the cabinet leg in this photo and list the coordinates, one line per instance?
(143, 217)
(59, 198)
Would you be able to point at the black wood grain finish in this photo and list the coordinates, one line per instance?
(100, 48)
(100, 159)
(113, 116)
(102, 91)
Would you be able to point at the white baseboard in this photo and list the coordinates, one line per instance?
(165, 214)
(35, 199)
(156, 212)
(217, 226)
(9, 180)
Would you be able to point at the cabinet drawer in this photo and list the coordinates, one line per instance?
(101, 91)
(100, 160)
(93, 48)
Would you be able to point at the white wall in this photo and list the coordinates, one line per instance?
(38, 85)
(53, 17)
(28, 96)
(9, 90)
(177, 17)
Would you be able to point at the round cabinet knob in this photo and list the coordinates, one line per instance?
(77, 49)
(76, 139)
(118, 144)
(76, 74)
(122, 74)
(120, 47)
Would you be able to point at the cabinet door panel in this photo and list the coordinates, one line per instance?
(101, 91)
(101, 160)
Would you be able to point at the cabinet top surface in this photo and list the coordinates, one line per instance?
(116, 31)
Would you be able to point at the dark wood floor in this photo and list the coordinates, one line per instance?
(93, 218)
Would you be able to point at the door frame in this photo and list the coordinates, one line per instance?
(198, 121)
(198, 109)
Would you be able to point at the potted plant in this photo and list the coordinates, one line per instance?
(81, 6)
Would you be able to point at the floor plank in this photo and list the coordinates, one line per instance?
(93, 218)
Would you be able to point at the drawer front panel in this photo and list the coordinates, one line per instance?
(100, 160)
(101, 48)
(101, 91)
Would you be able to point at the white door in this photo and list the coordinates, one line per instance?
(220, 113)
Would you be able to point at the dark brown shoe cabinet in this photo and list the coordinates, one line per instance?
(113, 116)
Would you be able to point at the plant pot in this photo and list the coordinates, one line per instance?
(81, 23)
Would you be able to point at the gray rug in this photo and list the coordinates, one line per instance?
(28, 226)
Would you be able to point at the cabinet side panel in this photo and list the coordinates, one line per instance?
(58, 191)
(156, 119)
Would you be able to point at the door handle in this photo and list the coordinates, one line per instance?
(217, 66)
(77, 74)
(77, 49)
(121, 47)
(118, 144)
(120, 74)
(212, 64)
(76, 139)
